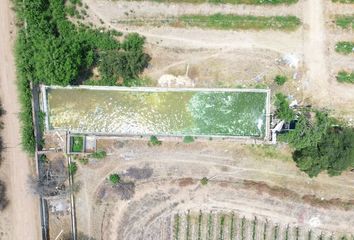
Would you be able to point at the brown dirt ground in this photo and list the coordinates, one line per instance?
(242, 178)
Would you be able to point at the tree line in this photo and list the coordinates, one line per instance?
(52, 50)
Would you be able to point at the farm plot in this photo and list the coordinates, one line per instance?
(222, 22)
(230, 226)
(147, 111)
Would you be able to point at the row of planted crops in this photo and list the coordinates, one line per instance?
(231, 226)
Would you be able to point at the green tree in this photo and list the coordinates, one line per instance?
(204, 181)
(154, 141)
(126, 64)
(334, 153)
(280, 80)
(114, 178)
(283, 111)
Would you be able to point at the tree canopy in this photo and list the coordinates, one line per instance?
(52, 50)
(321, 143)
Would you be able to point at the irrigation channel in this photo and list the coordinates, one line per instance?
(158, 111)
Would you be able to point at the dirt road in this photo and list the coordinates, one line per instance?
(315, 49)
(21, 219)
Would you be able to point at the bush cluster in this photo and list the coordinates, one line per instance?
(52, 50)
(321, 143)
(284, 112)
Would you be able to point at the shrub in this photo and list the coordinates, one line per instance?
(345, 77)
(204, 181)
(280, 80)
(283, 110)
(345, 21)
(99, 154)
(114, 178)
(154, 141)
(345, 47)
(72, 168)
(188, 139)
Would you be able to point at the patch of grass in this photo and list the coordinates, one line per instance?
(269, 152)
(114, 178)
(154, 141)
(280, 80)
(77, 143)
(188, 139)
(345, 47)
(251, 2)
(345, 21)
(99, 154)
(345, 77)
(243, 22)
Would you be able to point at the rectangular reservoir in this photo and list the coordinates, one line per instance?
(158, 111)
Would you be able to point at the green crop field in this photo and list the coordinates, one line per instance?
(221, 22)
(221, 113)
(233, 22)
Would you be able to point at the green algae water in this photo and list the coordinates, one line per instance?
(149, 112)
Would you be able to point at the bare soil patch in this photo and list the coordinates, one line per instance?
(266, 187)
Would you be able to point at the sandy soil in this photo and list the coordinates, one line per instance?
(174, 187)
(21, 219)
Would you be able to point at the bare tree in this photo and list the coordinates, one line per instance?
(125, 190)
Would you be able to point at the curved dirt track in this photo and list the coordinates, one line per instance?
(175, 187)
(21, 219)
